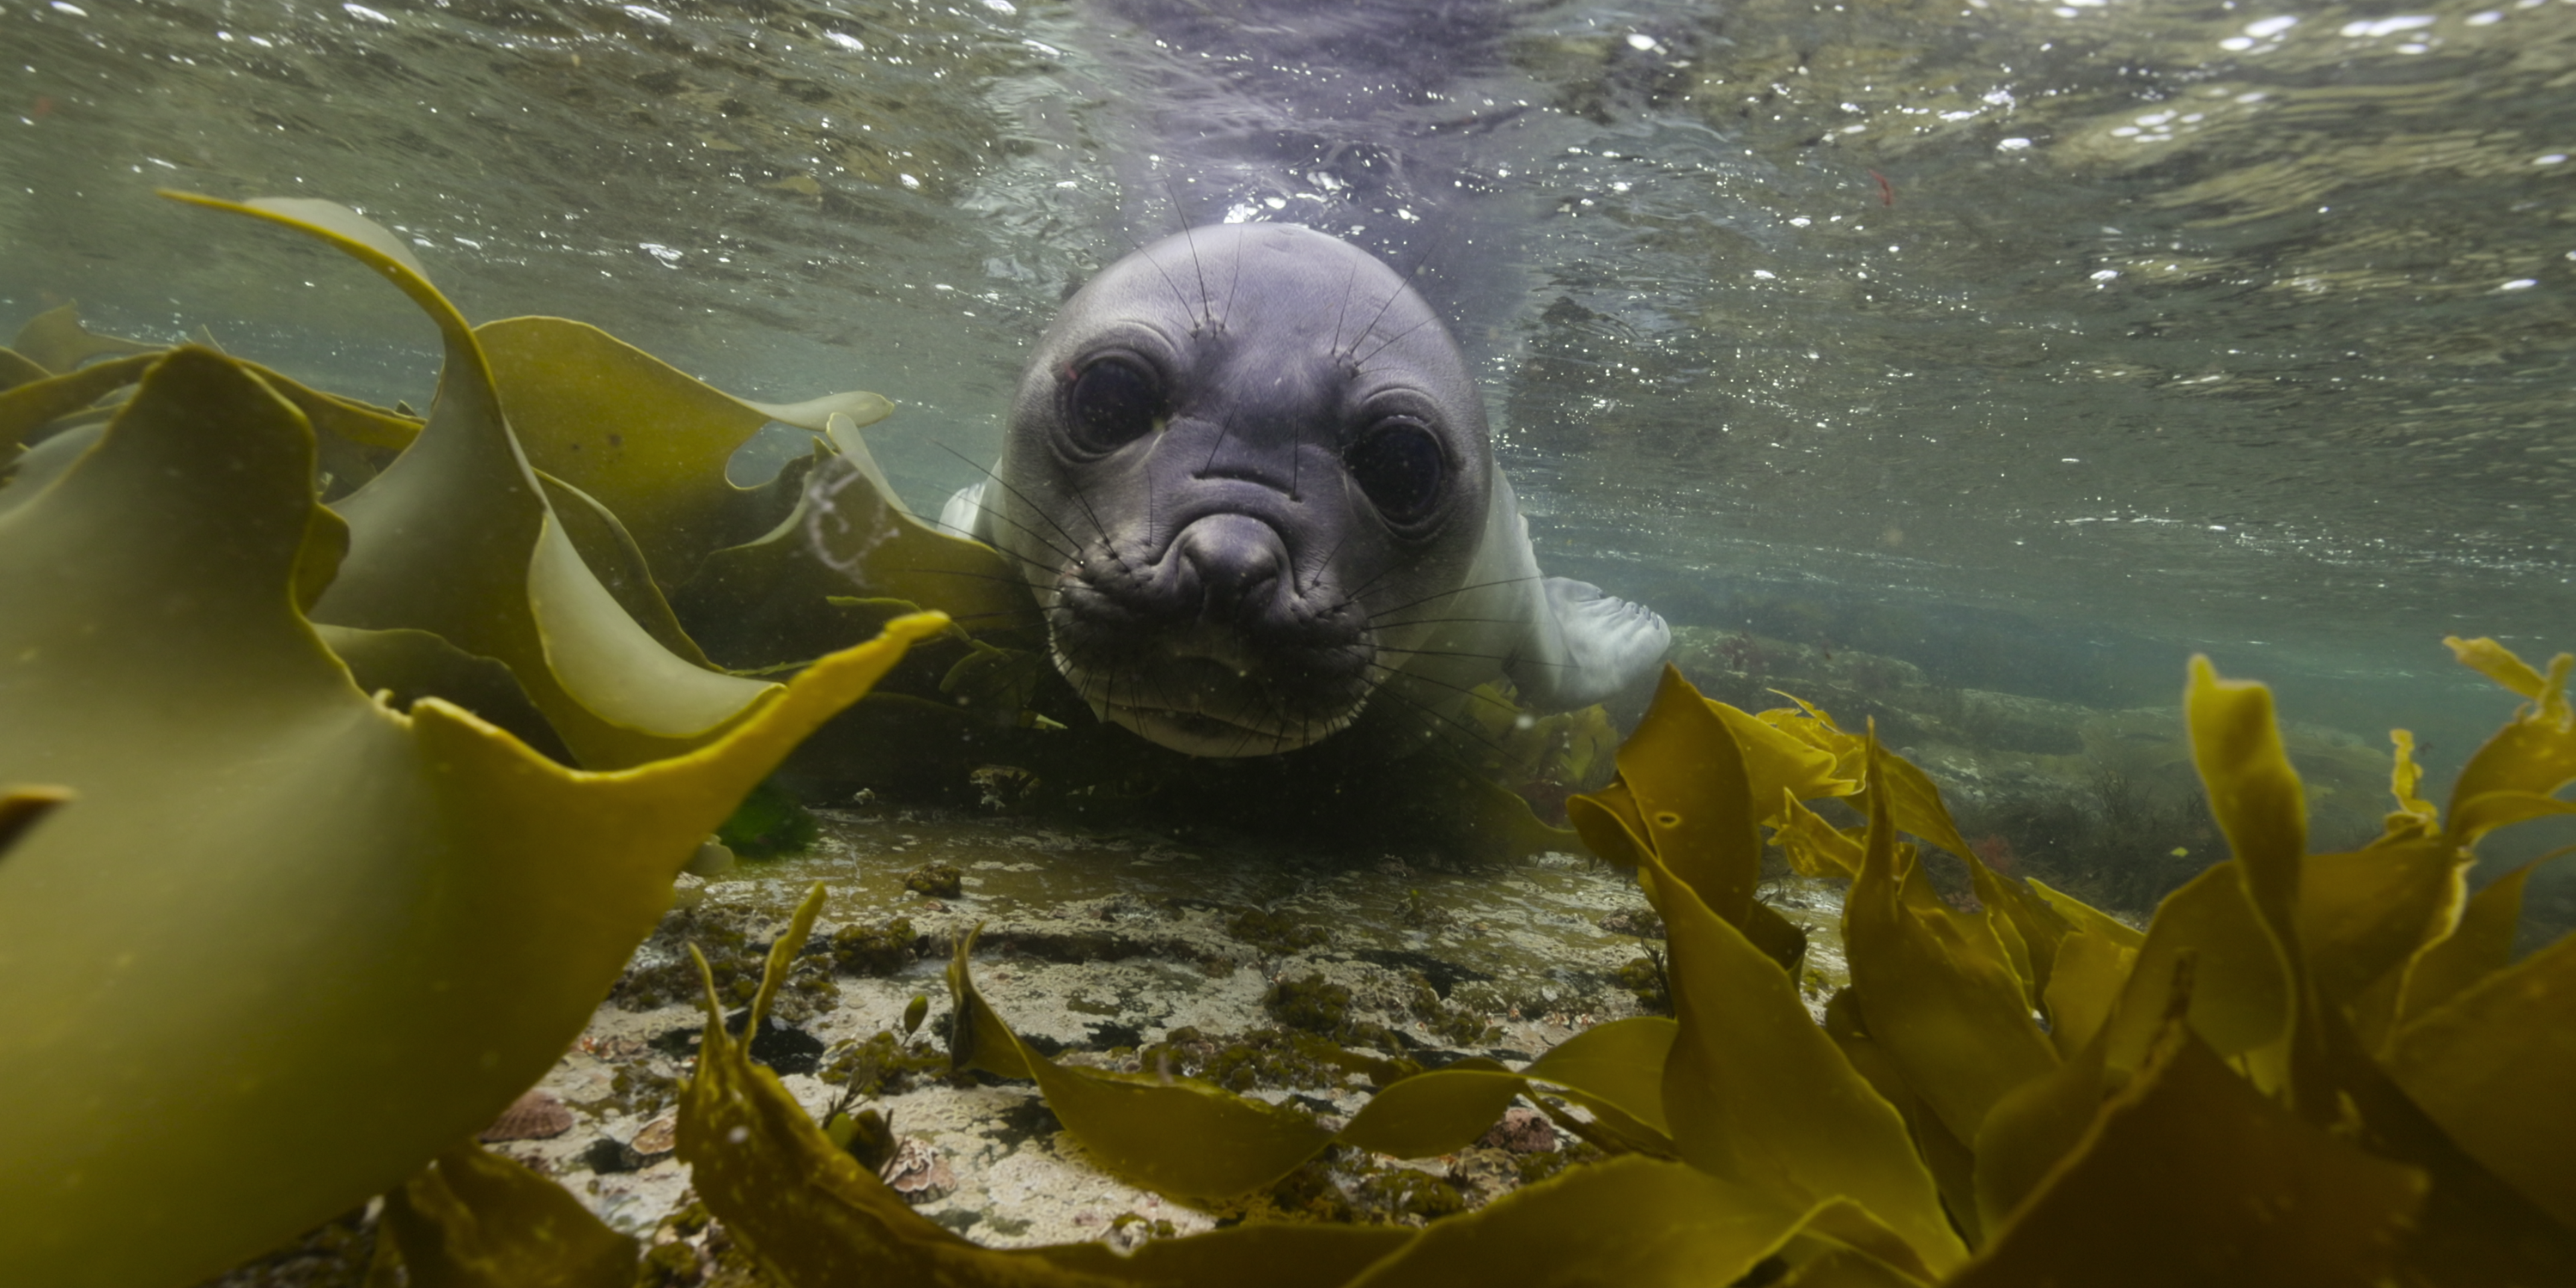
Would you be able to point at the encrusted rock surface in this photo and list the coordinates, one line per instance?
(1108, 948)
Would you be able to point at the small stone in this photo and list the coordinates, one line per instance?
(938, 880)
(1129, 1231)
(1484, 1174)
(713, 859)
(608, 1156)
(1641, 923)
(1522, 1131)
(613, 1048)
(536, 1115)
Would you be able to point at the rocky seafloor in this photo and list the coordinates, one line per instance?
(1245, 959)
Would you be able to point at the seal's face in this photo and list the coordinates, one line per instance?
(1244, 472)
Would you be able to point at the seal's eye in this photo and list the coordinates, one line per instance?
(1113, 402)
(1400, 466)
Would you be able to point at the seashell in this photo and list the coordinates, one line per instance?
(918, 1173)
(612, 1048)
(1522, 1131)
(535, 1115)
(657, 1137)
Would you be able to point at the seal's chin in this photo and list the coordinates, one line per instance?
(1204, 708)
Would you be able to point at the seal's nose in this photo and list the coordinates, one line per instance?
(1229, 567)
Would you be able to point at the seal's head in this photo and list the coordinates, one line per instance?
(1245, 473)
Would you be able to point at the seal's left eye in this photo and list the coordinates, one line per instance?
(1400, 466)
(1114, 401)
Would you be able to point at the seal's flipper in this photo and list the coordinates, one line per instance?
(963, 515)
(1607, 647)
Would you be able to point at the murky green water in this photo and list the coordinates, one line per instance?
(2040, 345)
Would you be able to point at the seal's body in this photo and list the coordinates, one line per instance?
(1248, 479)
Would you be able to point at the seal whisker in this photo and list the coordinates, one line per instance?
(1473, 733)
(1232, 286)
(1207, 311)
(988, 472)
(1508, 659)
(1402, 285)
(1327, 562)
(1359, 364)
(1461, 590)
(970, 576)
(1347, 285)
(1142, 254)
(1082, 497)
(1223, 428)
(1206, 315)
(1033, 535)
(1003, 614)
(1450, 621)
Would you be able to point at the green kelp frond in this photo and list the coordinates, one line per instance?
(846, 532)
(457, 537)
(284, 944)
(2309, 1068)
(57, 341)
(474, 1219)
(648, 441)
(22, 808)
(814, 1216)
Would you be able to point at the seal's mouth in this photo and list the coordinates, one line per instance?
(1204, 707)
(1214, 646)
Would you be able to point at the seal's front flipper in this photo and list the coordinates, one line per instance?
(963, 515)
(1609, 647)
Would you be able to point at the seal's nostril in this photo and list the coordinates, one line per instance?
(1231, 562)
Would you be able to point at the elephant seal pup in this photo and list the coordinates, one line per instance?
(1247, 477)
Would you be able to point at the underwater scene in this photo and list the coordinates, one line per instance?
(801, 642)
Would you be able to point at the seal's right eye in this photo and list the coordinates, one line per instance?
(1114, 401)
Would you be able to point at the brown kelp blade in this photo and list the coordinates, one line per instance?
(648, 441)
(2189, 1176)
(361, 932)
(456, 537)
(58, 341)
(813, 1215)
(474, 1219)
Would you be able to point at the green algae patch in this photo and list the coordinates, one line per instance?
(874, 950)
(768, 822)
(261, 862)
(936, 880)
